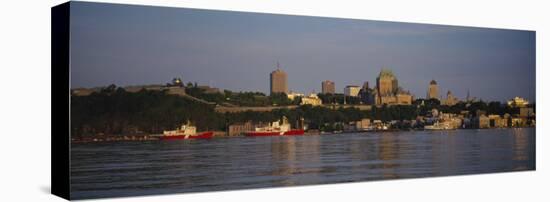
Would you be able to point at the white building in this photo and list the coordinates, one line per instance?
(518, 102)
(312, 99)
(293, 95)
(352, 90)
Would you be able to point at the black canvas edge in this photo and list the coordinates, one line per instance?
(60, 70)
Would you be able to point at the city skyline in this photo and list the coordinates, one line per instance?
(237, 51)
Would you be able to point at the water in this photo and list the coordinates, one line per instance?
(112, 169)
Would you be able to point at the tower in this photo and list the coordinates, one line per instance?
(386, 82)
(328, 87)
(278, 81)
(433, 91)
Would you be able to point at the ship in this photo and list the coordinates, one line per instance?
(186, 131)
(275, 129)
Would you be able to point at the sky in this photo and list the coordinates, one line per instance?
(135, 45)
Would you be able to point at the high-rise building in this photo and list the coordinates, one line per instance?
(351, 90)
(433, 91)
(386, 82)
(278, 81)
(387, 90)
(328, 87)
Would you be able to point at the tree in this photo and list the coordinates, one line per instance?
(280, 99)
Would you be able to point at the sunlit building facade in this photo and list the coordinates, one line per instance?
(433, 90)
(518, 102)
(311, 99)
(387, 90)
(352, 90)
(278, 81)
(450, 100)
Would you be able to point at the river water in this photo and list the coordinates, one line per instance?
(112, 169)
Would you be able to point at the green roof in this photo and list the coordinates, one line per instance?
(386, 73)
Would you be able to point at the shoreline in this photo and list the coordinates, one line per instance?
(154, 137)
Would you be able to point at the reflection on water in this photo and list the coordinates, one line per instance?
(157, 167)
(521, 152)
(520, 145)
(388, 153)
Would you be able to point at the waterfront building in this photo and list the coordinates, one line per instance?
(451, 99)
(237, 129)
(449, 120)
(379, 125)
(455, 122)
(351, 90)
(482, 121)
(278, 81)
(387, 90)
(508, 118)
(240, 128)
(363, 124)
(518, 102)
(433, 91)
(496, 121)
(328, 87)
(518, 122)
(526, 112)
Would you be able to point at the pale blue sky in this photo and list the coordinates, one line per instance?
(130, 45)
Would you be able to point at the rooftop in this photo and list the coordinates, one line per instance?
(386, 73)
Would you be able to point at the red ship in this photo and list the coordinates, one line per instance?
(275, 129)
(187, 131)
